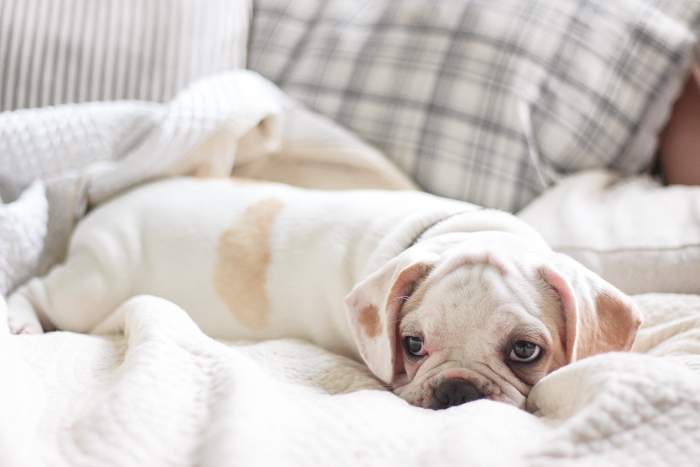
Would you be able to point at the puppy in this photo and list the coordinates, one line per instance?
(445, 302)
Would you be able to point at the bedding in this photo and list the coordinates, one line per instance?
(148, 388)
(155, 391)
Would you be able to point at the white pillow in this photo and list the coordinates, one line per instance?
(635, 233)
(485, 101)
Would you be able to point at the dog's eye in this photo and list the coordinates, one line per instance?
(414, 346)
(524, 351)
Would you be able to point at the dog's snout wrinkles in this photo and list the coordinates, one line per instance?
(454, 392)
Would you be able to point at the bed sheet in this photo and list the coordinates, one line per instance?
(153, 390)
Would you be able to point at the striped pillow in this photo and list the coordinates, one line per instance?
(488, 101)
(68, 51)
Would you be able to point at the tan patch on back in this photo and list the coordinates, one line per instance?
(244, 255)
(369, 321)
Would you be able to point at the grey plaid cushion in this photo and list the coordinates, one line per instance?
(488, 101)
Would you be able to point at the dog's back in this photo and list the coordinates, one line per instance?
(246, 260)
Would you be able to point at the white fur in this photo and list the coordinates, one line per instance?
(162, 239)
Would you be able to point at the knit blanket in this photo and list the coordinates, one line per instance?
(153, 390)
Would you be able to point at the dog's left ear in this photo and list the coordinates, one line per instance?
(374, 310)
(598, 317)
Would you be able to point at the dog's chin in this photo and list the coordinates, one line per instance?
(423, 394)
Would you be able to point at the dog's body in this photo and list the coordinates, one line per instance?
(262, 261)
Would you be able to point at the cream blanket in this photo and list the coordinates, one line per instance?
(159, 392)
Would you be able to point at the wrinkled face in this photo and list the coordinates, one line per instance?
(477, 332)
(487, 318)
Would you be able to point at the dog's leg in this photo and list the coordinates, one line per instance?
(4, 330)
(74, 296)
(21, 315)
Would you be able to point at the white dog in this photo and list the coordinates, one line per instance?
(444, 301)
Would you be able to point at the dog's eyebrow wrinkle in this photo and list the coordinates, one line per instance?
(529, 333)
(526, 332)
(412, 329)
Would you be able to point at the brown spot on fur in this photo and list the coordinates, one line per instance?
(244, 255)
(369, 321)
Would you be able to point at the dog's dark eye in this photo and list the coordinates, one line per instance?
(524, 351)
(414, 346)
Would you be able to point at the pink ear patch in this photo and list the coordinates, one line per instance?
(568, 302)
(369, 321)
(619, 322)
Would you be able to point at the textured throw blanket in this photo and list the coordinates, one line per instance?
(159, 392)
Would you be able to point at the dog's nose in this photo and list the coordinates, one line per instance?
(453, 392)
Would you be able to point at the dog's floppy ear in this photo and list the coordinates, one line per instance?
(598, 317)
(374, 310)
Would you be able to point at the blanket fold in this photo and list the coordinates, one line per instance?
(156, 391)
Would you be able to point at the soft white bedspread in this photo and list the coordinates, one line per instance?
(159, 392)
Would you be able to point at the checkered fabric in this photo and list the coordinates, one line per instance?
(67, 51)
(488, 101)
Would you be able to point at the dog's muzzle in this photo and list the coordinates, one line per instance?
(453, 392)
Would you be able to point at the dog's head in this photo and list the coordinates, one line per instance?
(486, 318)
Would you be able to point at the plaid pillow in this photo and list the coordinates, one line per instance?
(67, 51)
(488, 101)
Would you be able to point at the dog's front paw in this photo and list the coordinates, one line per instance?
(19, 315)
(20, 326)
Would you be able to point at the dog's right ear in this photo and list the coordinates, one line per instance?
(597, 316)
(374, 310)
